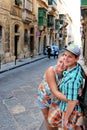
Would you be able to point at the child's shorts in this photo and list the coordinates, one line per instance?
(56, 116)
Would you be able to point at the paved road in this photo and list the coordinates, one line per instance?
(18, 103)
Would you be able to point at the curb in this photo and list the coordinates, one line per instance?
(28, 62)
(17, 66)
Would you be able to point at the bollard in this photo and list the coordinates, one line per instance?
(0, 61)
(15, 60)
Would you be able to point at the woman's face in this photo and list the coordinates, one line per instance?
(60, 64)
(70, 60)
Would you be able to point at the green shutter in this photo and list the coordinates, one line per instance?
(83, 2)
(42, 21)
(42, 17)
(17, 2)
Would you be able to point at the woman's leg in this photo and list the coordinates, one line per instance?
(45, 112)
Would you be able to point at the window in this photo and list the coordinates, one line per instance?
(52, 2)
(16, 28)
(61, 21)
(32, 31)
(60, 35)
(50, 21)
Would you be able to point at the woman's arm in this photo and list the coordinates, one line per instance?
(51, 80)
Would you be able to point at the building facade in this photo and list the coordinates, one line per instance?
(15, 17)
(28, 26)
(84, 28)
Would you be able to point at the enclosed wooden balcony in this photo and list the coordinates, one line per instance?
(27, 11)
(45, 2)
(27, 17)
(42, 17)
(52, 4)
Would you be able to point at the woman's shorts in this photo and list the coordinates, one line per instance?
(41, 106)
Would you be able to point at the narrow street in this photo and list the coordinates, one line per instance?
(18, 87)
(27, 28)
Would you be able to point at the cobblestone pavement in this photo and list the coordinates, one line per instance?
(15, 97)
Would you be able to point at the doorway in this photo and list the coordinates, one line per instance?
(16, 47)
(16, 40)
(32, 41)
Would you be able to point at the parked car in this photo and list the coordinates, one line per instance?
(54, 50)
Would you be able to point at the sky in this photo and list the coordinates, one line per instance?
(74, 11)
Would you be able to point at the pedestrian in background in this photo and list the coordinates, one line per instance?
(56, 51)
(49, 51)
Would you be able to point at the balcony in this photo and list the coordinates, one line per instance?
(52, 4)
(61, 16)
(45, 2)
(27, 11)
(42, 17)
(57, 24)
(50, 21)
(42, 21)
(83, 4)
(26, 16)
(27, 5)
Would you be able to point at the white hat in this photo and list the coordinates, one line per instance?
(73, 49)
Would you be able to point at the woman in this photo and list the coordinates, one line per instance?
(48, 88)
(71, 82)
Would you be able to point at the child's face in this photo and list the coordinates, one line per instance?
(70, 59)
(60, 64)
